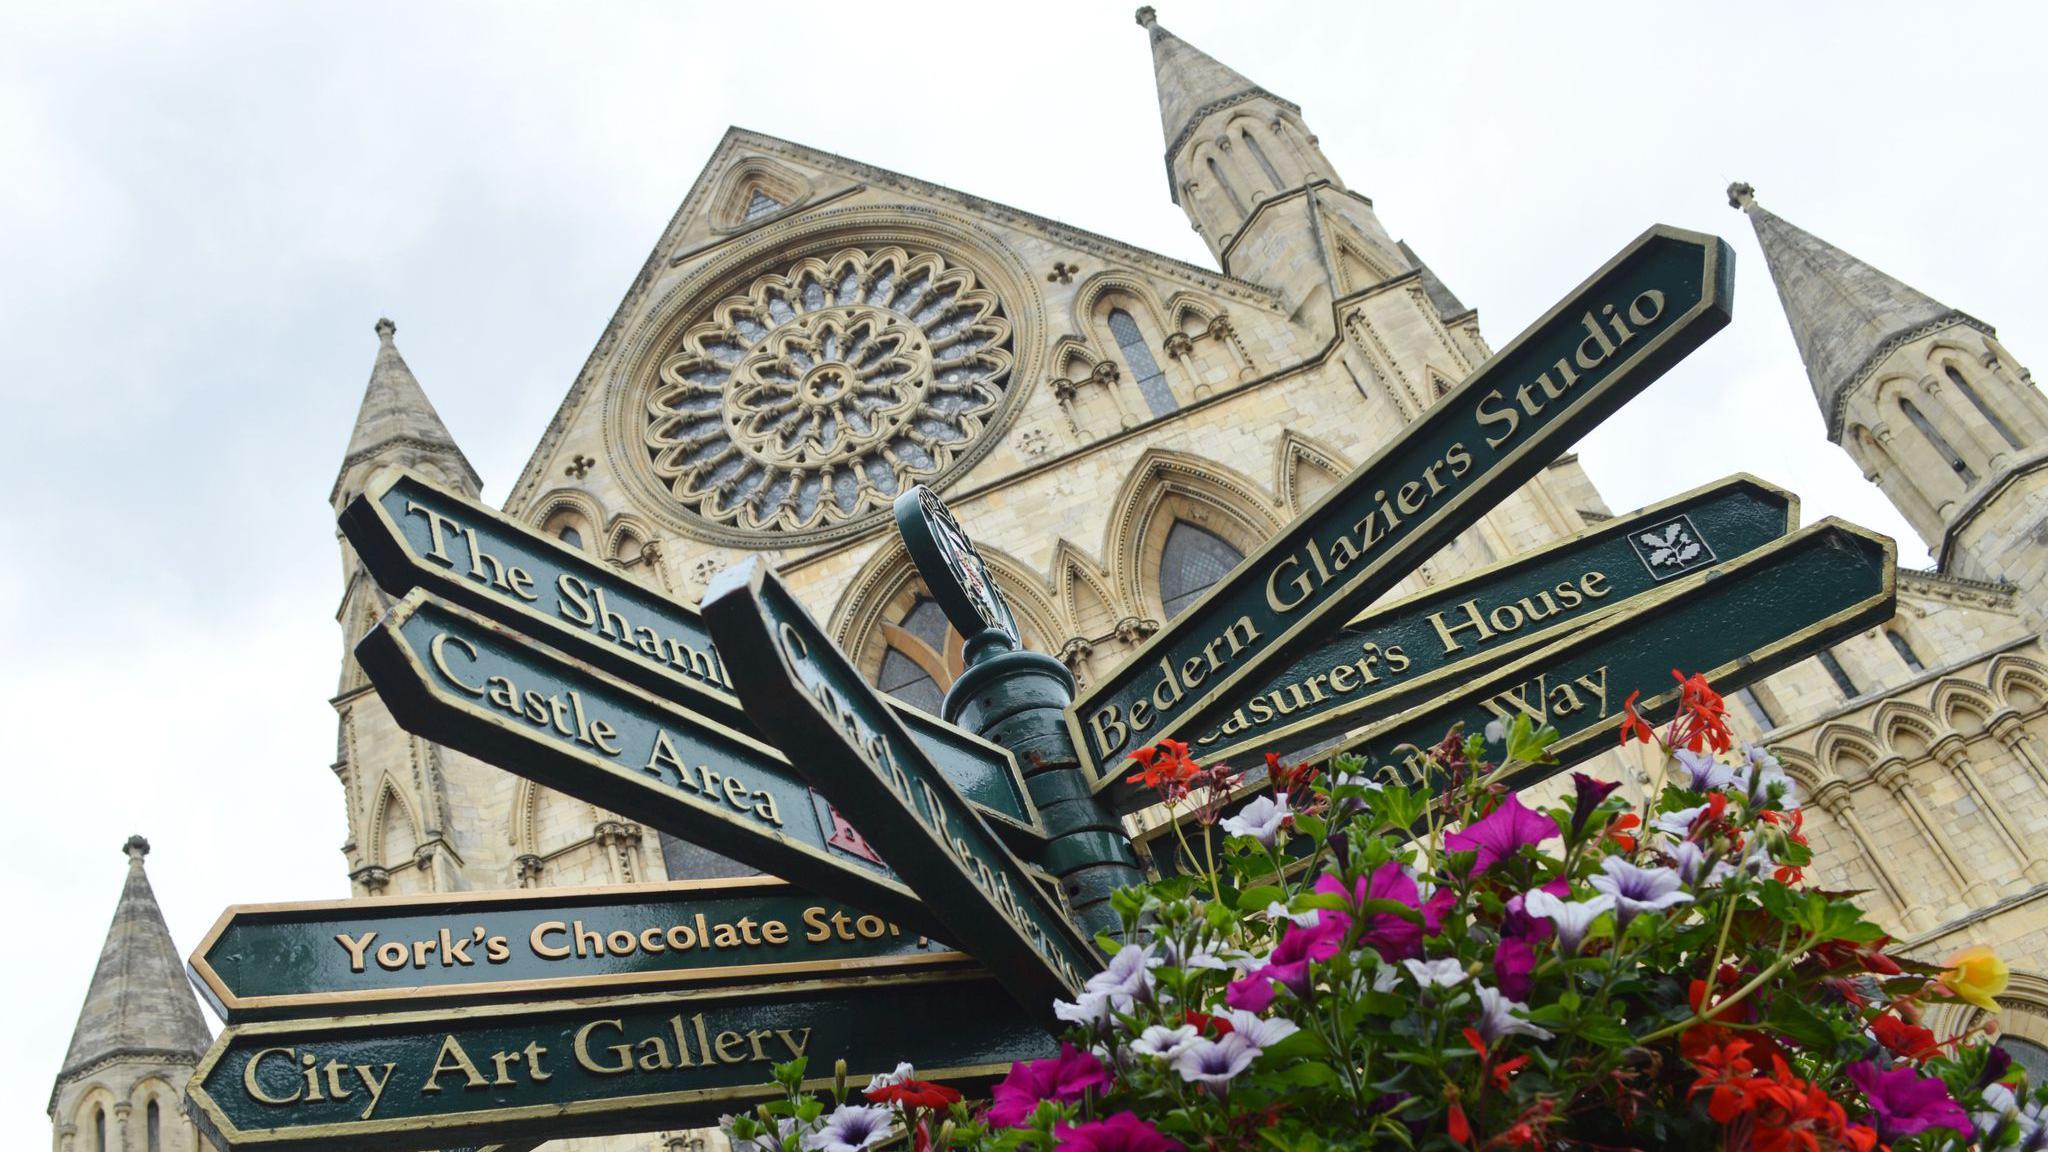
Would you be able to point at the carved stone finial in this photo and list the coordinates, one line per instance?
(136, 848)
(386, 329)
(1741, 196)
(1147, 17)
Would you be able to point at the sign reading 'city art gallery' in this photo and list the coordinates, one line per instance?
(1654, 302)
(856, 752)
(458, 679)
(1397, 655)
(413, 534)
(1735, 623)
(410, 952)
(423, 1080)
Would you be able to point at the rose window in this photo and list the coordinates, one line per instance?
(820, 393)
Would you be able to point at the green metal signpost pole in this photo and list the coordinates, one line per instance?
(1018, 699)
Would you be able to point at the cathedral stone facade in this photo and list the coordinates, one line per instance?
(1117, 428)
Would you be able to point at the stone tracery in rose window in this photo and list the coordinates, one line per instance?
(819, 393)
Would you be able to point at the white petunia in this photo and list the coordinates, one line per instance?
(1497, 1017)
(1573, 920)
(1435, 973)
(1163, 1043)
(1636, 890)
(1260, 1033)
(1261, 819)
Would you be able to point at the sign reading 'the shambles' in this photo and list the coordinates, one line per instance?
(1397, 654)
(422, 1080)
(853, 749)
(1654, 302)
(315, 959)
(412, 534)
(479, 688)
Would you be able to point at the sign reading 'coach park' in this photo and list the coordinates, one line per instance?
(1654, 302)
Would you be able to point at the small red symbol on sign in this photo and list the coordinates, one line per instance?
(847, 839)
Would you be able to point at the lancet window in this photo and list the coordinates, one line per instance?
(1223, 182)
(914, 667)
(1904, 650)
(1192, 560)
(1940, 442)
(1962, 385)
(1838, 674)
(1764, 719)
(1144, 366)
(1259, 153)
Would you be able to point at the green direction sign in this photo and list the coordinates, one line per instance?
(412, 534)
(354, 956)
(481, 688)
(1400, 654)
(422, 1080)
(1736, 623)
(857, 752)
(1632, 320)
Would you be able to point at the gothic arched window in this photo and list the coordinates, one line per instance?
(1940, 443)
(99, 1130)
(1956, 378)
(1144, 366)
(2028, 1055)
(1192, 560)
(915, 666)
(1764, 719)
(570, 536)
(1251, 142)
(154, 1127)
(1838, 674)
(1904, 650)
(1222, 181)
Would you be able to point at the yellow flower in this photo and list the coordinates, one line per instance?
(1975, 975)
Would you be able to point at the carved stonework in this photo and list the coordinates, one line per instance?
(819, 392)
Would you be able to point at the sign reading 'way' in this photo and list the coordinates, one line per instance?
(426, 1080)
(1396, 655)
(412, 534)
(1654, 302)
(409, 952)
(858, 754)
(460, 680)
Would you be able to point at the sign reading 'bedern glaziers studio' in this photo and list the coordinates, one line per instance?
(1637, 316)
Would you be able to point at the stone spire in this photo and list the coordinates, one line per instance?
(1846, 316)
(1192, 84)
(140, 1007)
(398, 424)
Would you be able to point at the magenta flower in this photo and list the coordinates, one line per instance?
(1588, 793)
(1517, 920)
(1123, 1132)
(1505, 831)
(1065, 1078)
(1289, 961)
(1513, 960)
(1394, 937)
(1906, 1103)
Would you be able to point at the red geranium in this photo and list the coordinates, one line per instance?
(914, 1094)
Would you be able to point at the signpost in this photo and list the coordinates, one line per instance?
(413, 534)
(481, 688)
(525, 1072)
(1735, 623)
(264, 962)
(1659, 298)
(861, 757)
(1436, 640)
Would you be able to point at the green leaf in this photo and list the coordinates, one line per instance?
(1307, 1074)
(1530, 744)
(1256, 899)
(1792, 1017)
(1604, 1031)
(1780, 901)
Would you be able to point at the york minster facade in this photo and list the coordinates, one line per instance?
(1117, 429)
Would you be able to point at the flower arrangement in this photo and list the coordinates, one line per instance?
(1355, 961)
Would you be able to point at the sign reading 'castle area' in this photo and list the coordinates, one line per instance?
(413, 534)
(271, 961)
(858, 754)
(1633, 319)
(1398, 654)
(422, 1080)
(460, 680)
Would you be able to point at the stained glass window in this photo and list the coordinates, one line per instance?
(1956, 378)
(762, 205)
(1192, 560)
(2028, 1055)
(910, 678)
(1839, 675)
(1939, 441)
(1904, 650)
(1144, 367)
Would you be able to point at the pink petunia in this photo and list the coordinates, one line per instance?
(1394, 937)
(1503, 832)
(1065, 1078)
(1123, 1132)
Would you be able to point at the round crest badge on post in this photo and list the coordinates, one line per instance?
(956, 575)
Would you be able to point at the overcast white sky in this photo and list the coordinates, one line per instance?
(205, 207)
